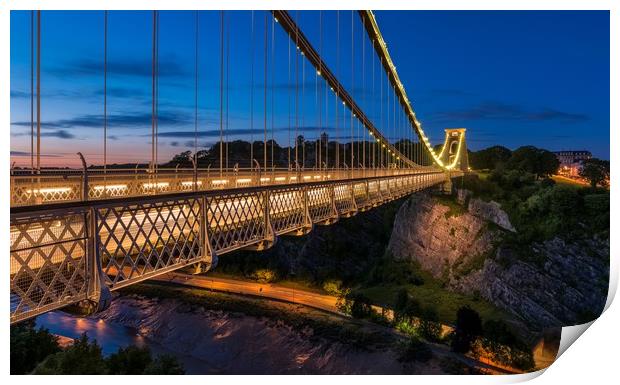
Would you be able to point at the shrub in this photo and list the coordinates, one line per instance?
(505, 347)
(333, 286)
(429, 327)
(265, 275)
(468, 327)
(360, 306)
(414, 350)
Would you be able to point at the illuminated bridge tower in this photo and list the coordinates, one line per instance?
(455, 149)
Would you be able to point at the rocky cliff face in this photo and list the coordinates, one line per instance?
(558, 282)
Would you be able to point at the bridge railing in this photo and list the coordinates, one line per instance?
(70, 252)
(75, 186)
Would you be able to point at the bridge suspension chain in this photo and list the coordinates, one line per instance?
(291, 28)
(429, 155)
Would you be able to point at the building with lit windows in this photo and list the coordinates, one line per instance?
(572, 161)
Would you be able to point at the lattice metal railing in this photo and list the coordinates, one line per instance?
(76, 185)
(321, 204)
(360, 194)
(136, 241)
(63, 254)
(48, 262)
(288, 209)
(236, 220)
(345, 202)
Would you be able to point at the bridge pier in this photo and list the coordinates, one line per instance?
(446, 186)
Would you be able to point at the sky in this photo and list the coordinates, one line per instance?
(511, 78)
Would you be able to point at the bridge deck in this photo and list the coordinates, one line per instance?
(63, 253)
(74, 185)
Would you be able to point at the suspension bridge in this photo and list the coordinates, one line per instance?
(79, 233)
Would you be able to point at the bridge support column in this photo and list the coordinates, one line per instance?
(446, 186)
(210, 259)
(99, 296)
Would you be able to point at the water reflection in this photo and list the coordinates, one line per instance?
(111, 336)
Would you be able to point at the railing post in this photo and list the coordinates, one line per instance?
(85, 178)
(195, 174)
(209, 258)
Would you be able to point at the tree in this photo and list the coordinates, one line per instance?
(83, 357)
(130, 360)
(596, 171)
(468, 327)
(401, 301)
(489, 158)
(164, 364)
(430, 328)
(29, 346)
(183, 159)
(360, 306)
(534, 160)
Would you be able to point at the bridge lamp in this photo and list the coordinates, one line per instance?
(49, 190)
(275, 19)
(318, 72)
(110, 187)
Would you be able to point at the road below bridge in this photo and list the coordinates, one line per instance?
(267, 290)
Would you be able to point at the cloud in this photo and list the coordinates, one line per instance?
(115, 120)
(122, 92)
(20, 94)
(61, 134)
(236, 132)
(127, 67)
(501, 111)
(27, 153)
(174, 144)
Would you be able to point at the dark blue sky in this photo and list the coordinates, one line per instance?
(511, 78)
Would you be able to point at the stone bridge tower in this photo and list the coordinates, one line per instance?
(455, 146)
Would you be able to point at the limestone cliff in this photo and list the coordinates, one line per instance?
(557, 282)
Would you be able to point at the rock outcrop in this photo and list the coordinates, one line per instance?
(550, 284)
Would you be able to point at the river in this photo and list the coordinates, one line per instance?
(217, 342)
(111, 336)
